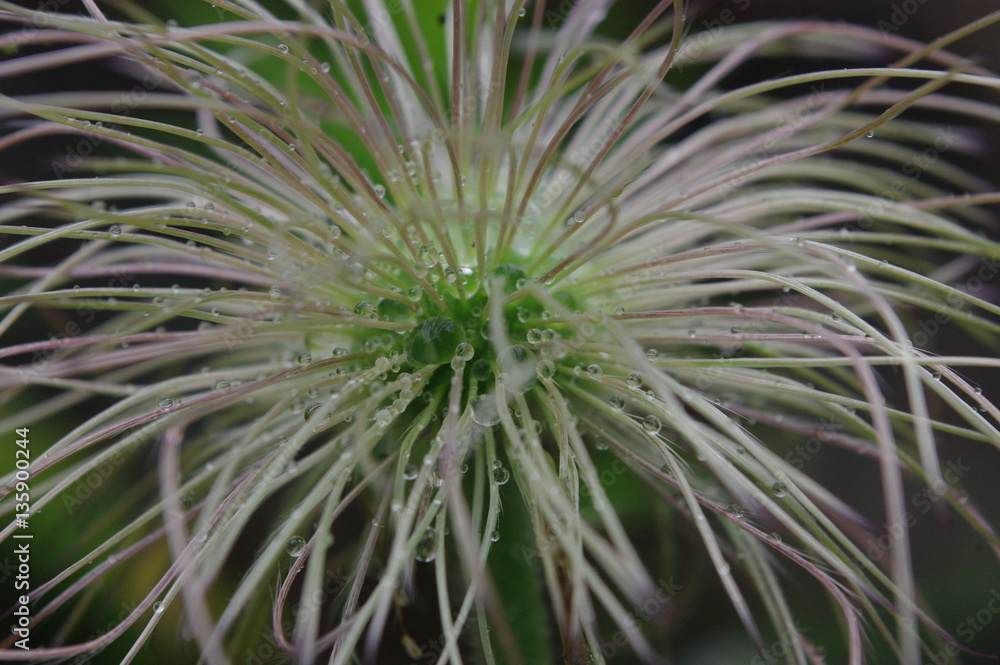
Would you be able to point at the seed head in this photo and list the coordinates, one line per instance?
(473, 339)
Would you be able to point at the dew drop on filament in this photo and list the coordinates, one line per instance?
(425, 548)
(295, 545)
(501, 475)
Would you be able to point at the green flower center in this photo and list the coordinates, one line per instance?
(456, 325)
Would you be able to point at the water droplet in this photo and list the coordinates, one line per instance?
(501, 475)
(633, 380)
(311, 409)
(409, 472)
(166, 403)
(870, 134)
(221, 384)
(425, 548)
(485, 411)
(495, 536)
(651, 424)
(283, 48)
(534, 336)
(157, 607)
(465, 351)
(545, 369)
(779, 490)
(617, 402)
(594, 370)
(115, 231)
(367, 309)
(295, 545)
(736, 510)
(433, 342)
(652, 354)
(428, 256)
(325, 66)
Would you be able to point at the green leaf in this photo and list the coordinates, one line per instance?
(432, 27)
(515, 567)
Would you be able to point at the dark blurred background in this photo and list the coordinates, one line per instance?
(924, 20)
